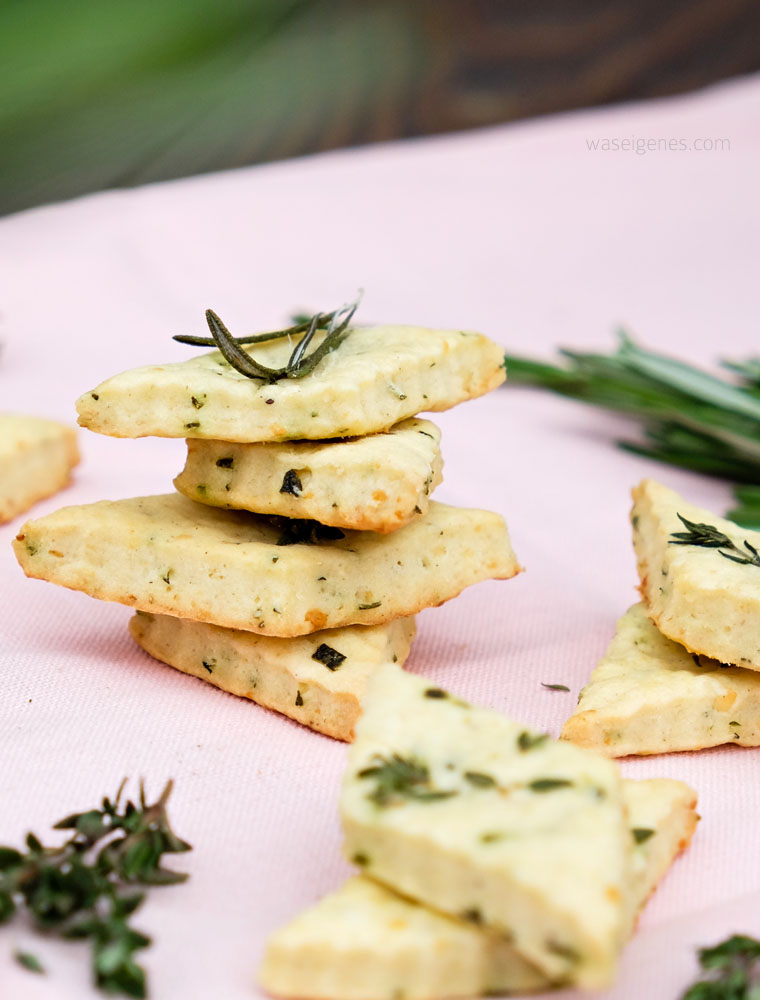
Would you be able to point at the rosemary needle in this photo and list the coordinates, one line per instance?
(336, 325)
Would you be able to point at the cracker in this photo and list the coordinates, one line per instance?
(374, 483)
(36, 459)
(365, 942)
(649, 695)
(168, 555)
(375, 378)
(474, 815)
(696, 596)
(319, 680)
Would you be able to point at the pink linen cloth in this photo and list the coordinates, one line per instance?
(526, 233)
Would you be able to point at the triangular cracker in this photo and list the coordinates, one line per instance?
(319, 680)
(696, 594)
(376, 377)
(365, 942)
(650, 695)
(473, 814)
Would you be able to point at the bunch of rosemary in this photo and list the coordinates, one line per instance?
(85, 888)
(689, 417)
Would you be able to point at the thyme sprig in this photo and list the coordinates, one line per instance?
(85, 888)
(397, 778)
(299, 364)
(707, 536)
(733, 971)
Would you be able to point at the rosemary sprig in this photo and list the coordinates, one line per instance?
(707, 536)
(690, 418)
(299, 364)
(733, 971)
(85, 888)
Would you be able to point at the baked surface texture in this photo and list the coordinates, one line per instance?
(375, 483)
(168, 555)
(36, 459)
(366, 942)
(650, 695)
(696, 596)
(319, 680)
(476, 816)
(377, 377)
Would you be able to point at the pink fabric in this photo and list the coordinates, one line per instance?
(521, 232)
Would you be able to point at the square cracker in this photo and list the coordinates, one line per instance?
(374, 483)
(36, 459)
(649, 695)
(366, 942)
(376, 377)
(472, 814)
(319, 680)
(168, 555)
(695, 595)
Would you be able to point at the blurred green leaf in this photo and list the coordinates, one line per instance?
(100, 95)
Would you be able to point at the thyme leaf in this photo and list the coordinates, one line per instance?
(29, 961)
(641, 834)
(732, 968)
(397, 778)
(555, 687)
(529, 741)
(548, 784)
(336, 325)
(707, 536)
(564, 951)
(480, 780)
(86, 887)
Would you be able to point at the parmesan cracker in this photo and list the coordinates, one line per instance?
(376, 377)
(470, 813)
(36, 459)
(649, 695)
(696, 596)
(168, 555)
(319, 680)
(374, 483)
(365, 942)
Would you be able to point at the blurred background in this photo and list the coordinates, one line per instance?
(98, 94)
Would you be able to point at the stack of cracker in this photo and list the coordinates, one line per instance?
(493, 859)
(301, 542)
(683, 670)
